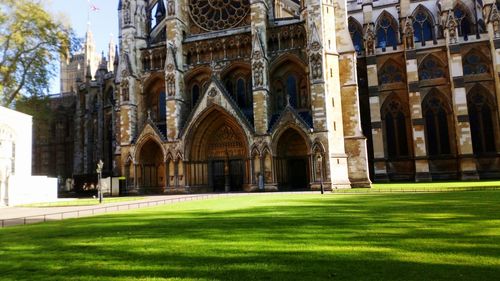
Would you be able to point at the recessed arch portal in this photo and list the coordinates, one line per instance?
(292, 163)
(151, 168)
(218, 152)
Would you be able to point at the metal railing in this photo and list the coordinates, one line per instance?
(103, 210)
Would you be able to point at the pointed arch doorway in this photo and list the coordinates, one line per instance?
(151, 168)
(292, 165)
(218, 154)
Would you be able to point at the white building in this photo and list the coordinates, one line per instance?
(17, 186)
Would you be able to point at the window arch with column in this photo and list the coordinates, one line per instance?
(481, 108)
(423, 25)
(465, 20)
(356, 31)
(437, 114)
(196, 83)
(290, 85)
(387, 31)
(156, 101)
(396, 121)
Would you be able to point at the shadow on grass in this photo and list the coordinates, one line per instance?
(448, 236)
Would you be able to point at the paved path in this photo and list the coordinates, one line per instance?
(10, 216)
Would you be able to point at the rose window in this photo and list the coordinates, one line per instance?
(213, 15)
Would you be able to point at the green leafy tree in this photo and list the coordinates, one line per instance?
(31, 40)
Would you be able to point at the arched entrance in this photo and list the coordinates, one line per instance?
(292, 165)
(218, 154)
(151, 168)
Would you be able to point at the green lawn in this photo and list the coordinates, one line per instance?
(83, 202)
(426, 236)
(425, 186)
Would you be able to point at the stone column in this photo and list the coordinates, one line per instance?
(492, 18)
(417, 122)
(325, 87)
(355, 141)
(260, 66)
(466, 161)
(174, 73)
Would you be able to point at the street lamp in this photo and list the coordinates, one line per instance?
(99, 175)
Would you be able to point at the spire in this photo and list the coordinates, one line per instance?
(111, 53)
(160, 11)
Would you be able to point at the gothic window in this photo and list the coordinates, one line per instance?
(279, 96)
(157, 13)
(239, 85)
(356, 32)
(481, 112)
(390, 73)
(422, 25)
(291, 89)
(386, 31)
(195, 95)
(464, 20)
(437, 130)
(214, 15)
(431, 68)
(475, 63)
(395, 125)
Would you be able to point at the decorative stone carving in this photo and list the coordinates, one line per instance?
(315, 54)
(258, 61)
(212, 93)
(408, 33)
(171, 8)
(127, 19)
(452, 25)
(213, 15)
(494, 18)
(125, 90)
(170, 85)
(316, 66)
(370, 41)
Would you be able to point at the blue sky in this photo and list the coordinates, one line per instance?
(104, 22)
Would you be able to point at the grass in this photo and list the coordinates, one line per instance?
(426, 187)
(83, 202)
(426, 236)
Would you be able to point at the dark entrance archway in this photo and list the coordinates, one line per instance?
(292, 163)
(151, 168)
(218, 154)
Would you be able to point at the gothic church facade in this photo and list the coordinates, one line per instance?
(286, 94)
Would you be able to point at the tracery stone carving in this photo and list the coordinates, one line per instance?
(258, 74)
(213, 15)
(225, 144)
(125, 90)
(171, 84)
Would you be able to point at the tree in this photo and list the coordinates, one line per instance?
(30, 41)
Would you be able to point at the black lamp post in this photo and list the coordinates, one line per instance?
(99, 176)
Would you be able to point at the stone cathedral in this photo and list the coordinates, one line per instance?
(223, 95)
(237, 95)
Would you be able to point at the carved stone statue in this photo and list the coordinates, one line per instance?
(171, 8)
(409, 39)
(370, 41)
(316, 66)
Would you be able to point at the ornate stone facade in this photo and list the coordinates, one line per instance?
(213, 95)
(224, 95)
(429, 96)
